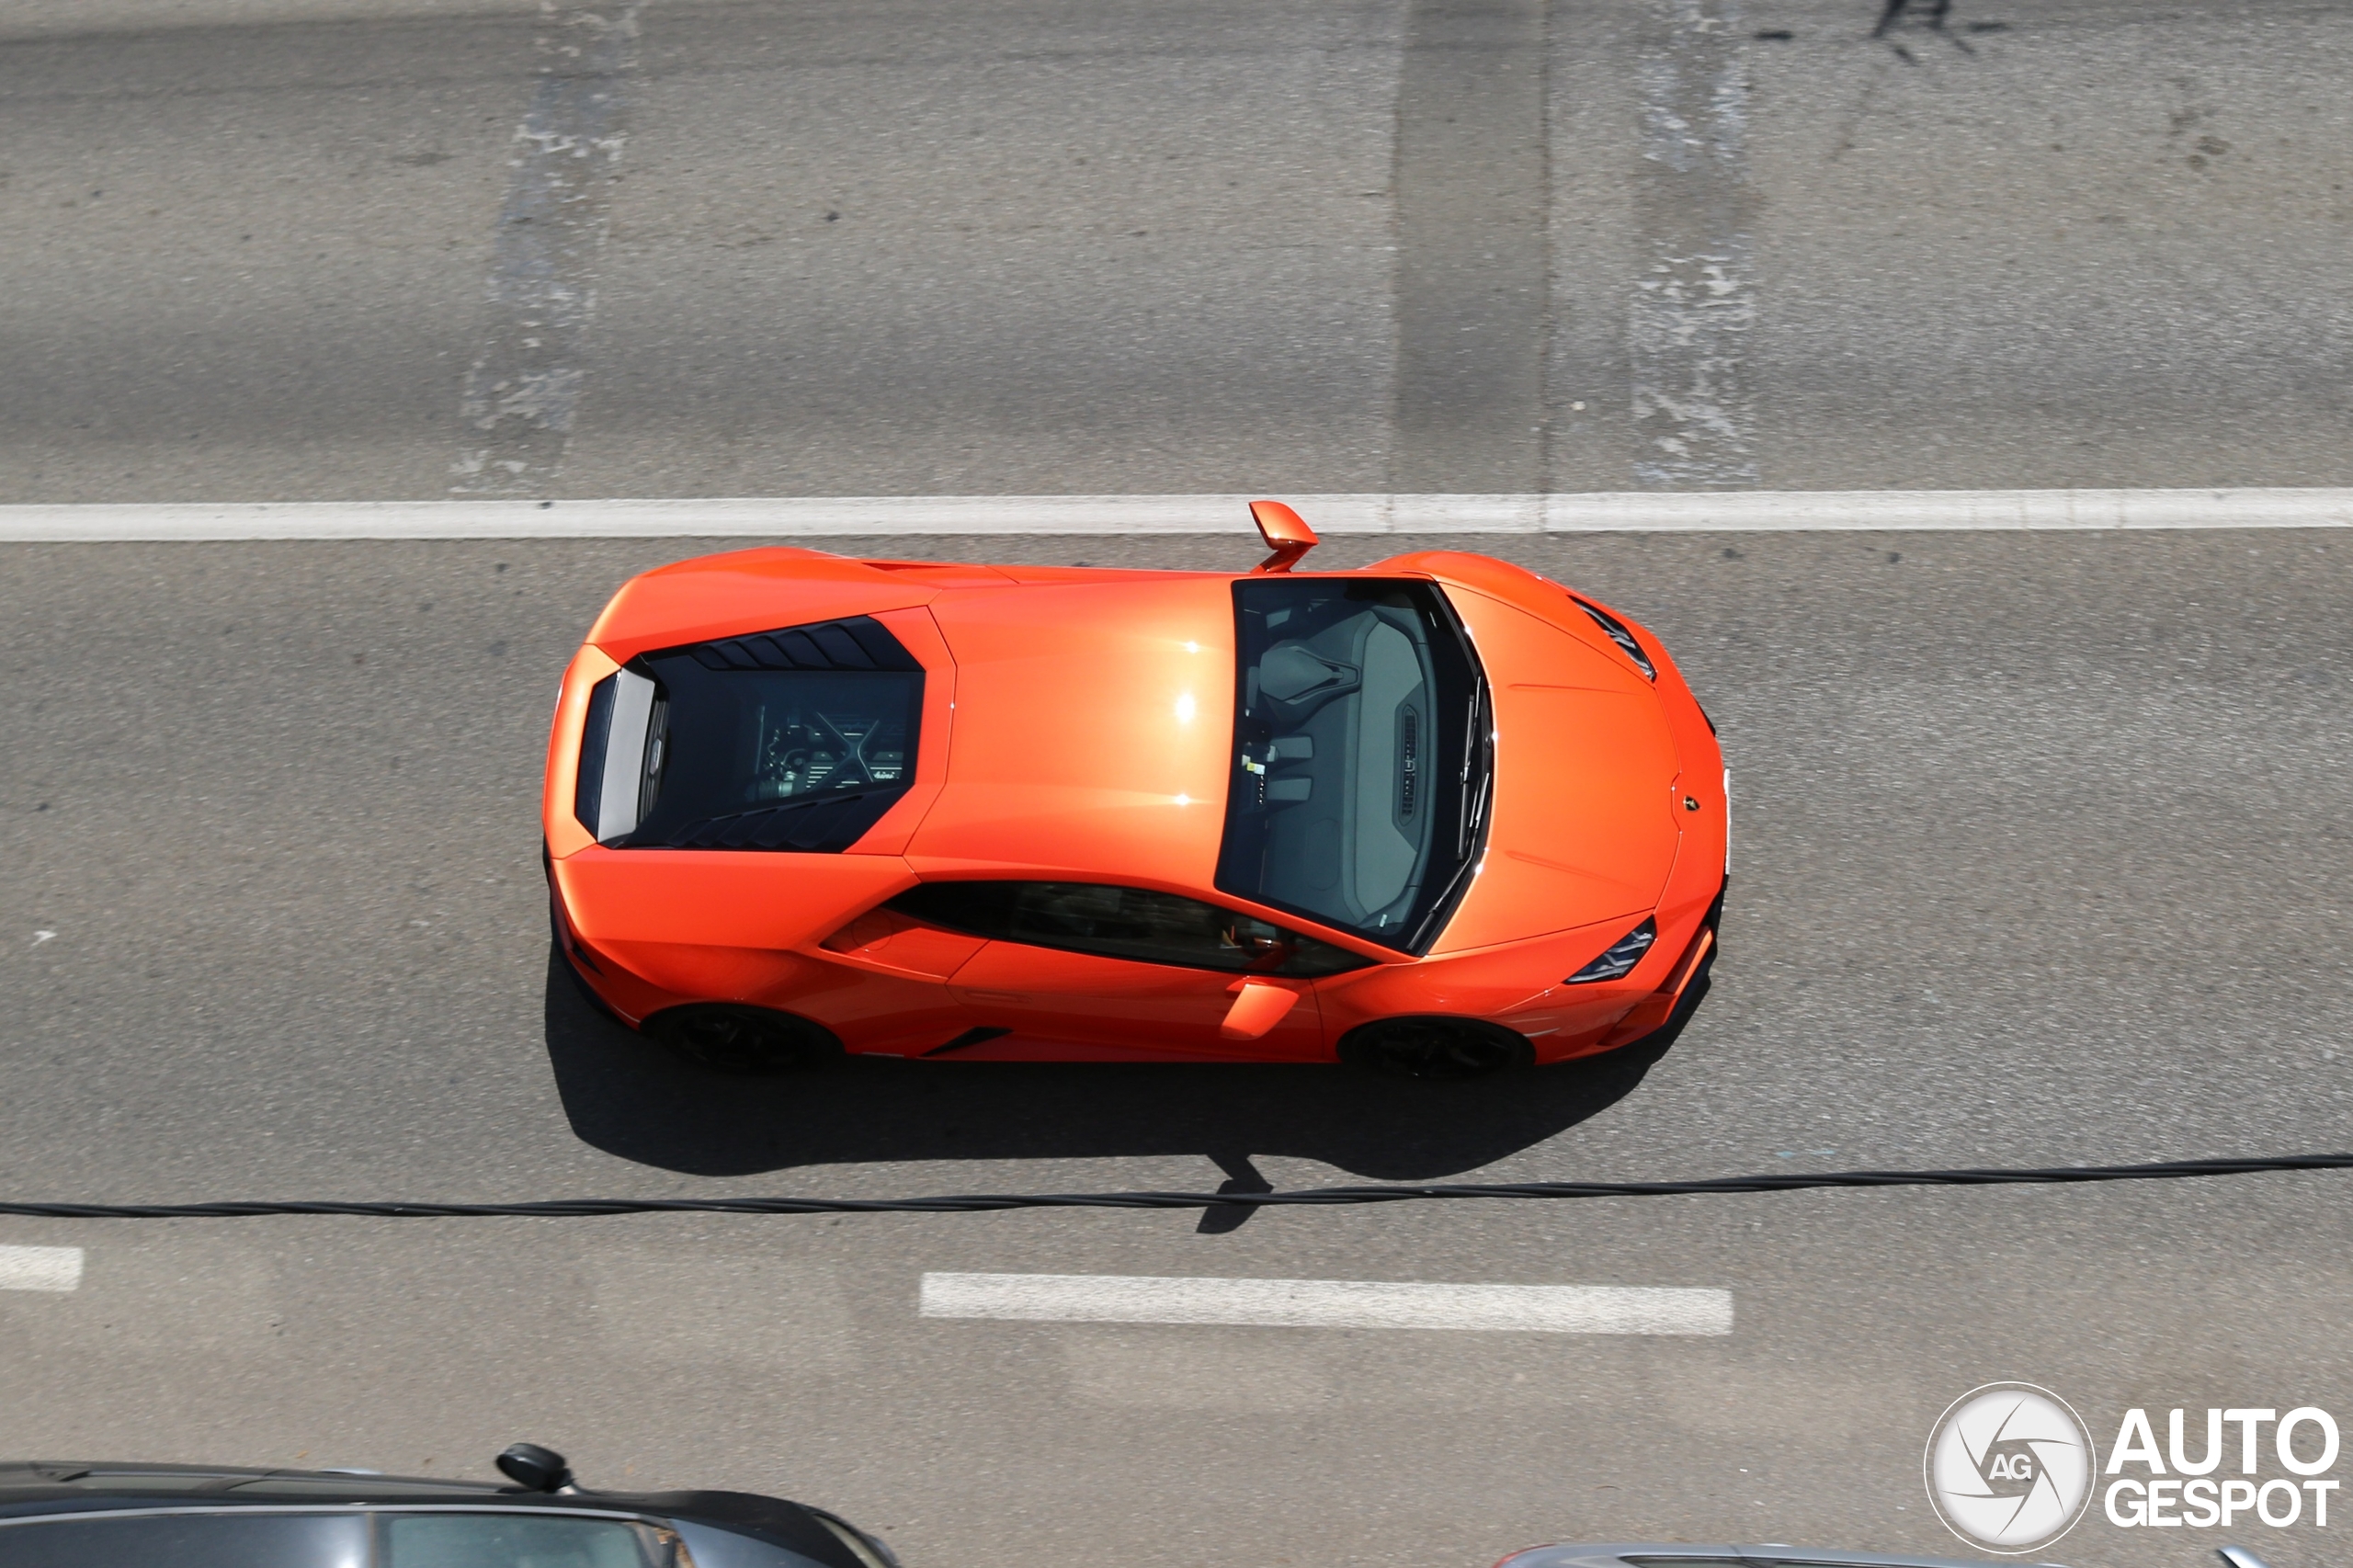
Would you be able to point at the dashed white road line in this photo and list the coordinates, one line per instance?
(1325, 1303)
(40, 1269)
(806, 517)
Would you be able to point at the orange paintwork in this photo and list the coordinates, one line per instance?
(1583, 826)
(1286, 532)
(562, 830)
(1259, 1007)
(1077, 726)
(920, 634)
(1079, 1000)
(1093, 731)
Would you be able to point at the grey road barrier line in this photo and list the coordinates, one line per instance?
(521, 394)
(1311, 1197)
(1471, 284)
(1696, 301)
(1748, 511)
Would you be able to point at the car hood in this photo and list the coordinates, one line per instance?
(1583, 826)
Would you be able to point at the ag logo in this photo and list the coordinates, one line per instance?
(2009, 1468)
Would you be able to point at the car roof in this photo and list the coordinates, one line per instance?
(24, 1480)
(742, 591)
(1093, 731)
(1116, 685)
(46, 1487)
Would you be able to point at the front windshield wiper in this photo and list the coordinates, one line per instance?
(1476, 750)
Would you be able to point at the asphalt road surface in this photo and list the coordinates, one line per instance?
(287, 249)
(2040, 842)
(2040, 855)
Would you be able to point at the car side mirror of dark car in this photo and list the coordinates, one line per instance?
(535, 1469)
(1284, 531)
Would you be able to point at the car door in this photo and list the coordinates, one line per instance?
(1097, 964)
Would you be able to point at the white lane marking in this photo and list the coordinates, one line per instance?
(1729, 511)
(40, 1269)
(1325, 1303)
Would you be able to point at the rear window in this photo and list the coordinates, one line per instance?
(1361, 755)
(798, 739)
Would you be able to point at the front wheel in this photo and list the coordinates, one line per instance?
(1436, 1048)
(728, 1036)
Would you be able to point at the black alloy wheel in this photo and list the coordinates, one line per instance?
(1436, 1048)
(727, 1037)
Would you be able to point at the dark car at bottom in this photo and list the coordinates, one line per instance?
(69, 1514)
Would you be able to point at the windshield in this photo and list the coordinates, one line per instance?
(190, 1541)
(462, 1537)
(518, 1540)
(1361, 755)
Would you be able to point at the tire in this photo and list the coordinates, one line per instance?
(1436, 1048)
(728, 1036)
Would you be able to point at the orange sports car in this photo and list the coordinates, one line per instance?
(1437, 816)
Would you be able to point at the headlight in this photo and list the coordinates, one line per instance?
(1620, 961)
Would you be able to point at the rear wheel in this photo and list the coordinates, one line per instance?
(728, 1036)
(1434, 1048)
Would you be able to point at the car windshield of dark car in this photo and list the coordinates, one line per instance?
(240, 1538)
(518, 1540)
(1361, 755)
(798, 739)
(189, 1540)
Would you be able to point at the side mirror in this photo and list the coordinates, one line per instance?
(1284, 531)
(535, 1469)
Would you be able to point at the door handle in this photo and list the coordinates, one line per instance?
(1257, 1008)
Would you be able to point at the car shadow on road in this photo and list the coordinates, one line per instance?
(627, 1097)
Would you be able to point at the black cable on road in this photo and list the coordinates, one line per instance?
(581, 1208)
